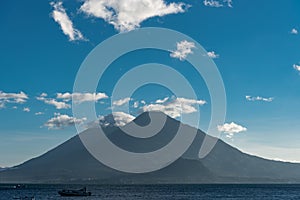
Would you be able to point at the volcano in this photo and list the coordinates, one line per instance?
(70, 162)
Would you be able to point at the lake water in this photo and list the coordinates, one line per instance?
(157, 192)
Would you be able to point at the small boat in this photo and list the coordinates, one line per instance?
(74, 193)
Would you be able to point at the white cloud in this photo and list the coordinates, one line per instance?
(66, 97)
(184, 48)
(258, 98)
(60, 16)
(39, 113)
(230, 129)
(162, 100)
(26, 109)
(212, 3)
(54, 102)
(176, 107)
(229, 3)
(218, 3)
(296, 67)
(213, 54)
(18, 98)
(81, 97)
(13, 97)
(136, 104)
(44, 94)
(60, 121)
(121, 102)
(57, 104)
(126, 15)
(294, 31)
(116, 119)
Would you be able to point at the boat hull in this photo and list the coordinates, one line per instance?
(74, 194)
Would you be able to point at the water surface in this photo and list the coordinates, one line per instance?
(155, 192)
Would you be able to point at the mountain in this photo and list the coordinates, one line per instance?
(2, 169)
(70, 162)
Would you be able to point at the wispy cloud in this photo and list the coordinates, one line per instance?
(218, 3)
(162, 100)
(230, 129)
(18, 98)
(259, 98)
(126, 15)
(39, 113)
(81, 97)
(184, 48)
(121, 102)
(213, 54)
(175, 107)
(60, 121)
(54, 102)
(212, 3)
(60, 16)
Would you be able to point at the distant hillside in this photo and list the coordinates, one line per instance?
(71, 163)
(1, 169)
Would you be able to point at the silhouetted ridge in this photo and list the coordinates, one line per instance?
(70, 162)
(144, 118)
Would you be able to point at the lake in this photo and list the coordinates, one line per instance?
(155, 192)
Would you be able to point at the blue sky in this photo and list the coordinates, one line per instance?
(257, 54)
